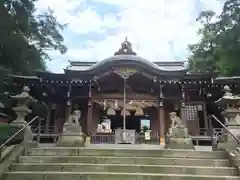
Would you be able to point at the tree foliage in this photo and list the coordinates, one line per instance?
(26, 37)
(219, 47)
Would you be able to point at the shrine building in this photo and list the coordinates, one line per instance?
(128, 90)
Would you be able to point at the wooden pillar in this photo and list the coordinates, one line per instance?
(69, 102)
(54, 112)
(89, 123)
(48, 118)
(183, 115)
(161, 116)
(206, 121)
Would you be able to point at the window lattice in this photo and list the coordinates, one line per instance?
(191, 112)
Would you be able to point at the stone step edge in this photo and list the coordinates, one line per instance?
(122, 165)
(122, 149)
(158, 157)
(124, 157)
(111, 173)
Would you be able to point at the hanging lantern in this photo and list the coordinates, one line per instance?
(127, 113)
(139, 112)
(139, 104)
(116, 107)
(130, 107)
(111, 112)
(144, 103)
(105, 105)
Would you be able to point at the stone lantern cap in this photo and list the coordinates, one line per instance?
(228, 98)
(230, 111)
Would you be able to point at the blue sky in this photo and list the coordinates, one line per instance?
(159, 30)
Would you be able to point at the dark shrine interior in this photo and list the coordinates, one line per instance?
(132, 121)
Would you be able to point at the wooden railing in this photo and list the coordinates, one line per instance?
(109, 138)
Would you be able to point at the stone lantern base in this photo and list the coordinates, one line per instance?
(20, 122)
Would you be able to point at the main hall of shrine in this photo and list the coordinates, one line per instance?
(127, 90)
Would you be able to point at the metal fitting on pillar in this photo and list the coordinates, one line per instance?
(160, 104)
(183, 104)
(89, 103)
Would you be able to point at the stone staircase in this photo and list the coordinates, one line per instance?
(55, 163)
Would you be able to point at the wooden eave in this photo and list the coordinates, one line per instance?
(90, 75)
(23, 77)
(228, 80)
(52, 76)
(19, 79)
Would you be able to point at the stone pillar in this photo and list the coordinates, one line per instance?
(161, 116)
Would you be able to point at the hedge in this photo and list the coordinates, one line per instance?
(6, 131)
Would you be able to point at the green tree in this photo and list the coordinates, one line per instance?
(26, 37)
(203, 58)
(218, 48)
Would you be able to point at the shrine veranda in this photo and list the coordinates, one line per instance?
(127, 89)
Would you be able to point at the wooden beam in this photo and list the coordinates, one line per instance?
(119, 96)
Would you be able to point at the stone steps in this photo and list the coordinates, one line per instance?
(125, 160)
(123, 168)
(56, 163)
(52, 151)
(108, 176)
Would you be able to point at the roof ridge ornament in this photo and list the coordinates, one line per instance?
(126, 48)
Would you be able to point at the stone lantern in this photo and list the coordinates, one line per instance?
(24, 100)
(229, 101)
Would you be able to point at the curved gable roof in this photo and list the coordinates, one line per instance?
(163, 66)
(125, 55)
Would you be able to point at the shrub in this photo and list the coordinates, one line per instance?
(6, 131)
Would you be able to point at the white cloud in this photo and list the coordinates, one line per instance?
(215, 5)
(159, 30)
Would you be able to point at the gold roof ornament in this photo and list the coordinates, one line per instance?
(127, 113)
(126, 48)
(139, 111)
(111, 112)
